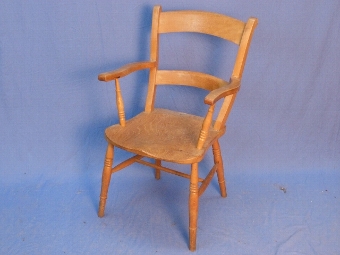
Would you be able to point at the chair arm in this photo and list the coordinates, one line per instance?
(225, 90)
(125, 70)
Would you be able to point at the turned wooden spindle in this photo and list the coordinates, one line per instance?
(205, 127)
(120, 104)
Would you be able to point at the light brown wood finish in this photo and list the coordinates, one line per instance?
(193, 206)
(165, 135)
(170, 136)
(126, 163)
(189, 78)
(205, 127)
(202, 22)
(120, 104)
(125, 70)
(244, 47)
(224, 111)
(106, 179)
(168, 170)
(225, 90)
(157, 170)
(154, 50)
(207, 180)
(220, 170)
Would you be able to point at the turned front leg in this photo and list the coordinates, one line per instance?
(193, 206)
(106, 177)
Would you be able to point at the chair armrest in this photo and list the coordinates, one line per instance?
(125, 70)
(225, 90)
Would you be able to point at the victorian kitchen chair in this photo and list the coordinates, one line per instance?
(166, 135)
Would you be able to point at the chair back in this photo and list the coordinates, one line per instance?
(225, 27)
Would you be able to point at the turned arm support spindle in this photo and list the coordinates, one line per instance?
(120, 104)
(205, 127)
(228, 93)
(119, 73)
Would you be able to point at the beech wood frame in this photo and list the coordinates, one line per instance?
(214, 24)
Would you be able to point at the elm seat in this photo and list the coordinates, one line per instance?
(170, 136)
(163, 134)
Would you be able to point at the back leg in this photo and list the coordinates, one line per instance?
(220, 171)
(157, 171)
(106, 177)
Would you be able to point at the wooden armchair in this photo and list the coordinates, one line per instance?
(166, 135)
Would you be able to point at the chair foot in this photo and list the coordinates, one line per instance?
(223, 189)
(106, 177)
(192, 239)
(101, 209)
(193, 206)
